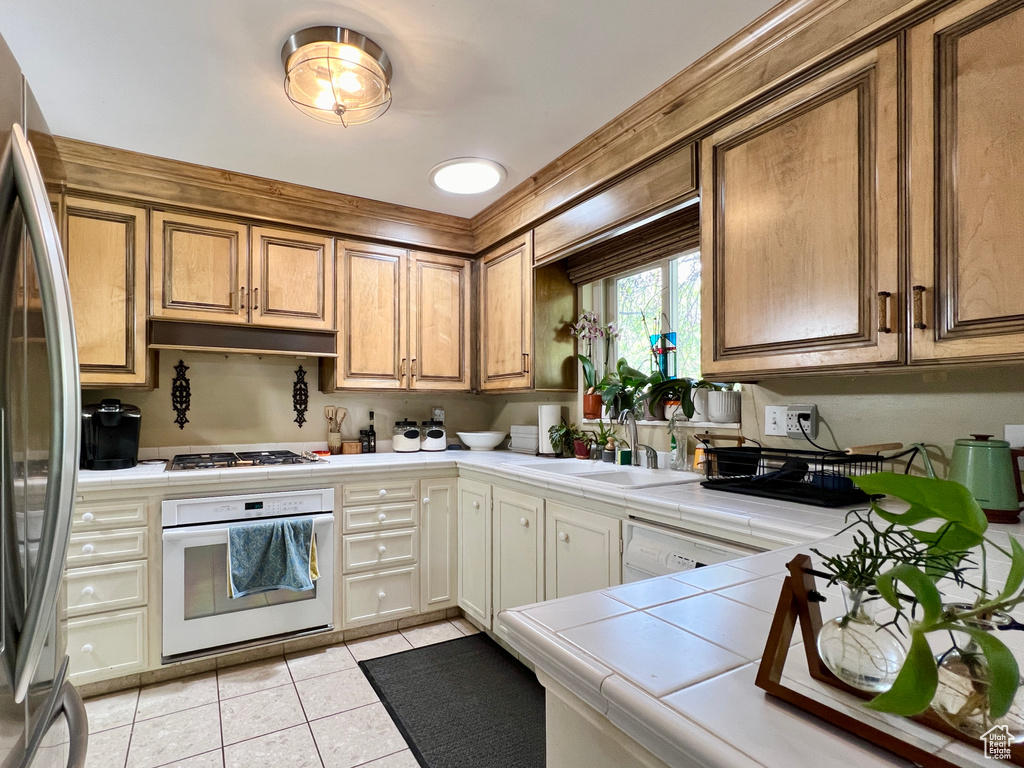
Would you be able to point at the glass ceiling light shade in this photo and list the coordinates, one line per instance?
(467, 175)
(336, 75)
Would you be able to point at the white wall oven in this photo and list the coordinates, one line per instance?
(199, 616)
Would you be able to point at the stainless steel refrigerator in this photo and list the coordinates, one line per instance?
(42, 718)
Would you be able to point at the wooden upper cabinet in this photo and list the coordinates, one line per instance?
(967, 183)
(800, 227)
(292, 279)
(200, 266)
(105, 245)
(506, 315)
(439, 291)
(372, 348)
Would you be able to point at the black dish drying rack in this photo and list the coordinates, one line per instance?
(821, 478)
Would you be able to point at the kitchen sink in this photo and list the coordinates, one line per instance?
(565, 466)
(640, 478)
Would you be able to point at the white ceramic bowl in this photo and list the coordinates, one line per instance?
(481, 441)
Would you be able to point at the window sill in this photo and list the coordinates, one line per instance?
(688, 424)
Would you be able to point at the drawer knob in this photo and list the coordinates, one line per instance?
(426, 499)
(87, 549)
(87, 591)
(382, 517)
(476, 505)
(381, 596)
(563, 536)
(88, 517)
(383, 492)
(382, 549)
(87, 648)
(524, 522)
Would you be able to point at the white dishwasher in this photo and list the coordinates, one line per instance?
(651, 549)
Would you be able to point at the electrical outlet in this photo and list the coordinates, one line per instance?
(775, 420)
(808, 414)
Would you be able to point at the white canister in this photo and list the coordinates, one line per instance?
(405, 437)
(724, 407)
(433, 436)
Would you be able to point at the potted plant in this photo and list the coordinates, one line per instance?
(673, 390)
(563, 436)
(592, 401)
(581, 442)
(605, 437)
(621, 388)
(975, 682)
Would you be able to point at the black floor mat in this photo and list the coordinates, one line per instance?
(465, 703)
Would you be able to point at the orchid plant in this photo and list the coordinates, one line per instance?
(588, 329)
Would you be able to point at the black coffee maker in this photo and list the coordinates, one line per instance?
(110, 435)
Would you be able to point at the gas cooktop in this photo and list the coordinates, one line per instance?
(241, 459)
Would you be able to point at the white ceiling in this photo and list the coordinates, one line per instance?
(518, 81)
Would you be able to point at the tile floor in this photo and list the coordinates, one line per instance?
(312, 709)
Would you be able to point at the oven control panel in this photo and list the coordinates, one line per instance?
(175, 512)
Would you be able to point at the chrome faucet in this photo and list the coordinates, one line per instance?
(627, 418)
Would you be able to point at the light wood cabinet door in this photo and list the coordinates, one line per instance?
(475, 550)
(200, 266)
(105, 246)
(371, 311)
(518, 549)
(582, 551)
(967, 183)
(292, 279)
(439, 513)
(439, 293)
(506, 315)
(800, 231)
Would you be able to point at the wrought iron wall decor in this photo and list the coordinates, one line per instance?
(300, 397)
(181, 394)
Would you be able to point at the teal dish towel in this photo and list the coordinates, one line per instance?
(271, 555)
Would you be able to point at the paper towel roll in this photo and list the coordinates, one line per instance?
(547, 417)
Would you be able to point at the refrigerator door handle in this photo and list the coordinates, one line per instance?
(78, 725)
(65, 404)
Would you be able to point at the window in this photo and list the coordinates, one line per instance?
(659, 298)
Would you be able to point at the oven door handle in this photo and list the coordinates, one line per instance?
(184, 532)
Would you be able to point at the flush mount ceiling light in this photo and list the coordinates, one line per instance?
(336, 75)
(467, 175)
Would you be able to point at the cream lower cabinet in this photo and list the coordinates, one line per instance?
(583, 551)
(107, 588)
(518, 549)
(380, 552)
(474, 548)
(439, 512)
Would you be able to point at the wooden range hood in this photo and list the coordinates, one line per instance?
(240, 339)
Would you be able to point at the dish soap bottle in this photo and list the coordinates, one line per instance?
(371, 436)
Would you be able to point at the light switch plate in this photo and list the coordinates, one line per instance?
(1014, 435)
(775, 420)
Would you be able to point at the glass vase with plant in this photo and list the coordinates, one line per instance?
(939, 537)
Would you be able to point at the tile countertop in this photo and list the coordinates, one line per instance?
(763, 523)
(671, 662)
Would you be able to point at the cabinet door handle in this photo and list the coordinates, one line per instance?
(381, 596)
(919, 307)
(255, 298)
(382, 517)
(426, 499)
(88, 517)
(241, 297)
(526, 363)
(401, 369)
(563, 536)
(87, 549)
(382, 549)
(382, 492)
(87, 648)
(476, 505)
(524, 522)
(883, 312)
(87, 592)
(413, 367)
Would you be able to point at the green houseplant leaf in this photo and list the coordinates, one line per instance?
(924, 589)
(1003, 671)
(589, 374)
(916, 683)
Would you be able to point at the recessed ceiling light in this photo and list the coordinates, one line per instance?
(466, 175)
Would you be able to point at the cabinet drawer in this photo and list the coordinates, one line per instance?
(382, 492)
(102, 547)
(118, 514)
(108, 645)
(379, 517)
(106, 588)
(372, 597)
(364, 551)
